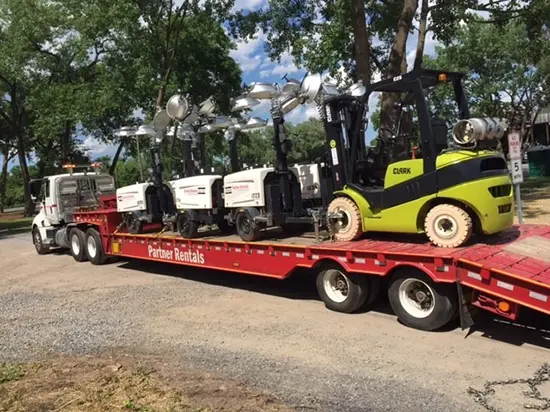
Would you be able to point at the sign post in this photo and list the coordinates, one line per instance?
(514, 149)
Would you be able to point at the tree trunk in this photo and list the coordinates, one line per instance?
(4, 177)
(395, 67)
(29, 204)
(66, 143)
(422, 30)
(362, 41)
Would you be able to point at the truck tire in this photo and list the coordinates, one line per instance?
(41, 249)
(341, 291)
(77, 245)
(349, 227)
(94, 247)
(419, 302)
(448, 226)
(247, 229)
(188, 226)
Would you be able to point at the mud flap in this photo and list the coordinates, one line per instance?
(466, 320)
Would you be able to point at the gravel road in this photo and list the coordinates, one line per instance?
(273, 336)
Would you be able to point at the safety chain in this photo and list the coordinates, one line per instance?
(540, 376)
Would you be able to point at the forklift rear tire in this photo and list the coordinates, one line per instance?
(448, 226)
(247, 229)
(187, 224)
(348, 227)
(77, 245)
(94, 247)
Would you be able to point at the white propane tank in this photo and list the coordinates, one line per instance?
(468, 131)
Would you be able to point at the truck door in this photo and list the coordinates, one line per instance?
(49, 202)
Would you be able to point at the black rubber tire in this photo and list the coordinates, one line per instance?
(375, 286)
(247, 229)
(358, 289)
(41, 249)
(444, 296)
(80, 255)
(188, 227)
(99, 258)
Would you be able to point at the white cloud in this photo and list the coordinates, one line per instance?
(265, 73)
(285, 66)
(97, 148)
(247, 52)
(249, 4)
(302, 114)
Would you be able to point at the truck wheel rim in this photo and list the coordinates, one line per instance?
(75, 244)
(445, 226)
(37, 239)
(336, 286)
(92, 247)
(245, 224)
(417, 298)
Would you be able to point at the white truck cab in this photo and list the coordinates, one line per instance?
(57, 197)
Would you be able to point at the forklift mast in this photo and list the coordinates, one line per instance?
(345, 121)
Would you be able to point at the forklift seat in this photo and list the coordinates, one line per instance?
(440, 131)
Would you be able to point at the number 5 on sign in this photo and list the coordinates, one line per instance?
(517, 171)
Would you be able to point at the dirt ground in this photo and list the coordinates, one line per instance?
(536, 203)
(99, 384)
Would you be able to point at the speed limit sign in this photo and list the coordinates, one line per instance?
(517, 171)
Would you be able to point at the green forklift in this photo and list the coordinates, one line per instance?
(448, 192)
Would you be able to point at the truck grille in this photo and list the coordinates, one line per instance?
(501, 191)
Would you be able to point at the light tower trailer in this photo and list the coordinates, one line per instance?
(58, 198)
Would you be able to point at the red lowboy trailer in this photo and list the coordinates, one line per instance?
(427, 286)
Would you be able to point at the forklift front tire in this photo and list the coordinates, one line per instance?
(448, 226)
(348, 225)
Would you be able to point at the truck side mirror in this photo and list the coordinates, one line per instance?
(34, 188)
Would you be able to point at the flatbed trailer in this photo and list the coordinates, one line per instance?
(427, 286)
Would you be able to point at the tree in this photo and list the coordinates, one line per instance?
(508, 74)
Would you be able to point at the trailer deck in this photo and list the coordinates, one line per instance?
(503, 272)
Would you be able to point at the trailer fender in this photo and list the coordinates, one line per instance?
(401, 267)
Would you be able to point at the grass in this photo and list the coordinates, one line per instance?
(103, 384)
(14, 224)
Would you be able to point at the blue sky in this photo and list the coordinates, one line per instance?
(256, 66)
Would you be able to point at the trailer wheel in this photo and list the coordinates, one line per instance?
(448, 226)
(41, 248)
(247, 229)
(94, 247)
(348, 226)
(421, 303)
(187, 224)
(76, 244)
(341, 291)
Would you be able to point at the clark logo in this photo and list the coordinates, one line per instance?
(401, 170)
(185, 256)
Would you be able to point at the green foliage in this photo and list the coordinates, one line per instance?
(507, 74)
